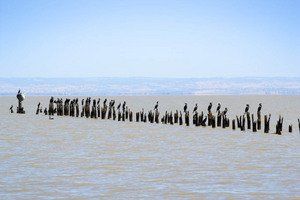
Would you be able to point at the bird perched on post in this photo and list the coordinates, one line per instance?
(185, 107)
(156, 106)
(247, 108)
(209, 107)
(224, 112)
(218, 108)
(195, 109)
(259, 108)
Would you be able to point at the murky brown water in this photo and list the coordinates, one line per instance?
(79, 158)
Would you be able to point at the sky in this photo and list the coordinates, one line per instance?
(156, 38)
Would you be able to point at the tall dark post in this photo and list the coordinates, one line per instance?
(233, 124)
(20, 97)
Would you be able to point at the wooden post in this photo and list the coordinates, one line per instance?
(233, 124)
(248, 121)
(130, 116)
(258, 121)
(213, 121)
(187, 118)
(219, 119)
(267, 123)
(137, 115)
(290, 128)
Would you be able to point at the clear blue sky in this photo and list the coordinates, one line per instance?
(94, 38)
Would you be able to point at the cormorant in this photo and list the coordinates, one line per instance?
(218, 108)
(247, 108)
(259, 108)
(156, 106)
(124, 105)
(209, 107)
(98, 101)
(185, 107)
(195, 109)
(225, 111)
(119, 106)
(104, 102)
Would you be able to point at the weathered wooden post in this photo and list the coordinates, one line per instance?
(213, 121)
(20, 97)
(290, 128)
(114, 114)
(267, 123)
(123, 116)
(38, 109)
(258, 120)
(195, 118)
(219, 119)
(279, 125)
(137, 116)
(181, 121)
(224, 122)
(119, 115)
(187, 118)
(253, 124)
(209, 118)
(243, 123)
(51, 106)
(157, 116)
(176, 117)
(233, 124)
(130, 116)
(299, 124)
(248, 121)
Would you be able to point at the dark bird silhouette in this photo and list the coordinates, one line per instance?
(218, 108)
(104, 102)
(124, 105)
(156, 106)
(209, 107)
(19, 91)
(82, 101)
(247, 108)
(112, 103)
(225, 111)
(195, 109)
(98, 101)
(119, 106)
(259, 108)
(185, 107)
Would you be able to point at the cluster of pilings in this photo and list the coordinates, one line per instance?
(93, 109)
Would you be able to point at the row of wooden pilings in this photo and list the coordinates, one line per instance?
(94, 110)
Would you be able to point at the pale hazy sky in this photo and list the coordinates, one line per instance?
(94, 38)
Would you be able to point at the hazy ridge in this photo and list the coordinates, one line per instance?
(150, 86)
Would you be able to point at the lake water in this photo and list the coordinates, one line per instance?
(80, 158)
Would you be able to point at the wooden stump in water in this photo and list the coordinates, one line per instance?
(209, 118)
(233, 124)
(187, 119)
(253, 124)
(267, 123)
(219, 119)
(290, 128)
(248, 121)
(130, 116)
(258, 121)
(213, 121)
(279, 125)
(176, 117)
(137, 116)
(119, 116)
(299, 124)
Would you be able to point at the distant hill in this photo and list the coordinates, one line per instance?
(149, 86)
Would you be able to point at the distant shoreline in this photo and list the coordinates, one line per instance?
(139, 86)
